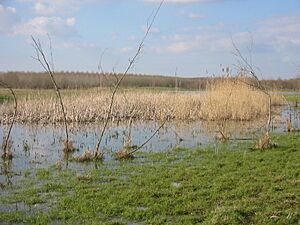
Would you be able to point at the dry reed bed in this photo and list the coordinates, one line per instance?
(222, 101)
(235, 100)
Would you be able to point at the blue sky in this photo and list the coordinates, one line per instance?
(193, 36)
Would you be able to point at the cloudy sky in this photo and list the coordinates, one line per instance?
(193, 36)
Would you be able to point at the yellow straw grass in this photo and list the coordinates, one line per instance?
(225, 99)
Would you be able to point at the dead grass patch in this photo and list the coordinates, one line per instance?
(224, 100)
(88, 156)
(232, 99)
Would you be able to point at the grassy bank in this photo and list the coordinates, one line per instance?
(183, 186)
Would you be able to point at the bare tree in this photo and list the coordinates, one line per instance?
(6, 151)
(246, 67)
(119, 80)
(49, 68)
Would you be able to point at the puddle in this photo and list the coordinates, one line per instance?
(38, 146)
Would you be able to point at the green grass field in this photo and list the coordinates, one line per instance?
(182, 186)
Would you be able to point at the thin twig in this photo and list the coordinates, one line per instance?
(131, 63)
(5, 153)
(51, 52)
(46, 65)
(100, 68)
(142, 145)
(250, 69)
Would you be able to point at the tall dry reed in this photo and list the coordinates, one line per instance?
(235, 99)
(91, 106)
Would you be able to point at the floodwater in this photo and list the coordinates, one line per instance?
(38, 146)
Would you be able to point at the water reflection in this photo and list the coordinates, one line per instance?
(38, 146)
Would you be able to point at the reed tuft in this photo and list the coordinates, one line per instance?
(233, 99)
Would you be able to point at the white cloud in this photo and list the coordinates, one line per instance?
(78, 45)
(205, 42)
(71, 21)
(43, 8)
(282, 33)
(195, 16)
(8, 19)
(179, 47)
(278, 34)
(192, 15)
(51, 7)
(11, 24)
(55, 26)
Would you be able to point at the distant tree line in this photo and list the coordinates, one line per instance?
(279, 84)
(79, 80)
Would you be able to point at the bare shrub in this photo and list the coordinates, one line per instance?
(7, 154)
(246, 68)
(49, 68)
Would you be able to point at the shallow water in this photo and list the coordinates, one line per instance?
(38, 146)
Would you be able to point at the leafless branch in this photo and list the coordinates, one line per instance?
(149, 139)
(250, 69)
(250, 49)
(51, 51)
(131, 62)
(6, 154)
(41, 58)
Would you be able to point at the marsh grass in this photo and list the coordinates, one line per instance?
(91, 105)
(265, 142)
(125, 153)
(232, 99)
(82, 106)
(88, 156)
(68, 146)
